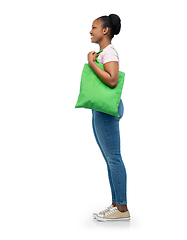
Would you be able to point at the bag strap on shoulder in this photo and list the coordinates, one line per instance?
(98, 56)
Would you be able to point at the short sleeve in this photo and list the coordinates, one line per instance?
(110, 55)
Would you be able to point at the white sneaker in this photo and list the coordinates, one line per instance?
(103, 212)
(113, 215)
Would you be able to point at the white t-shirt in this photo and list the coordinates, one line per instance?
(109, 54)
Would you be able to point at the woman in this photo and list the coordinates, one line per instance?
(105, 126)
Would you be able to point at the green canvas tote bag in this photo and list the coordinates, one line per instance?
(94, 94)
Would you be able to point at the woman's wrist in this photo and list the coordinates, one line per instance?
(91, 64)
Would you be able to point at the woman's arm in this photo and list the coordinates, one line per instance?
(110, 75)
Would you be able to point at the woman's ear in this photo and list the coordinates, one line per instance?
(105, 30)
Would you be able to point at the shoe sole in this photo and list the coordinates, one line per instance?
(100, 219)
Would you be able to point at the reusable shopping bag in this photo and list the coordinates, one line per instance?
(94, 94)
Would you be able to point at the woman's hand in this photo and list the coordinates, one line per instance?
(91, 57)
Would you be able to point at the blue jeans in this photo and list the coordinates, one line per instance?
(107, 135)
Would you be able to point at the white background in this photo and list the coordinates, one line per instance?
(52, 174)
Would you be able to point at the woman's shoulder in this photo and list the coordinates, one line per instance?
(110, 49)
(109, 54)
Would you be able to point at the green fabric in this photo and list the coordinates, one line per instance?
(94, 94)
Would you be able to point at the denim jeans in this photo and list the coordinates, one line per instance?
(107, 135)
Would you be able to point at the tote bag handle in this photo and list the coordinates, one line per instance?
(98, 56)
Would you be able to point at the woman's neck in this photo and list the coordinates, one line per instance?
(104, 44)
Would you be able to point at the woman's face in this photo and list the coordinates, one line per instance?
(96, 33)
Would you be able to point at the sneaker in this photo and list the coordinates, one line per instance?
(103, 212)
(113, 215)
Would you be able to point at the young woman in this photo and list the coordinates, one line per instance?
(106, 127)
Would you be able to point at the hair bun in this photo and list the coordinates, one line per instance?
(116, 23)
